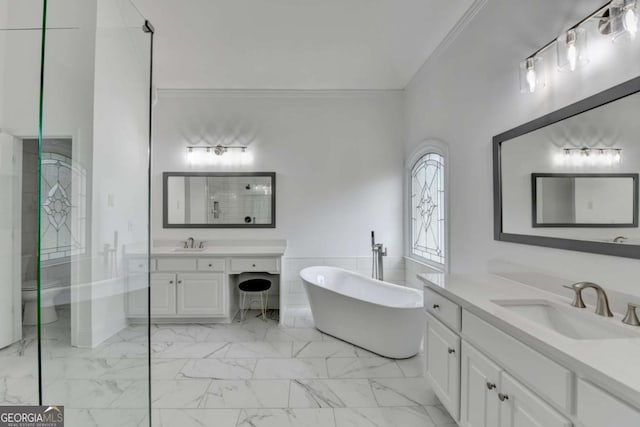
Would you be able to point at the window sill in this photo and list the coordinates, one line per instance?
(438, 268)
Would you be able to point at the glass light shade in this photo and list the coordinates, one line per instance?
(624, 17)
(532, 77)
(572, 49)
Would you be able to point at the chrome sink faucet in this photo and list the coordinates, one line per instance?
(602, 304)
(189, 243)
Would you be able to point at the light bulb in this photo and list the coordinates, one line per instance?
(572, 56)
(531, 75)
(617, 157)
(631, 22)
(571, 40)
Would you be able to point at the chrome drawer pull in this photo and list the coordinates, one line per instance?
(451, 350)
(436, 306)
(503, 397)
(491, 386)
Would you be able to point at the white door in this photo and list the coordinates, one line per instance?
(443, 364)
(163, 294)
(519, 407)
(479, 405)
(10, 240)
(201, 294)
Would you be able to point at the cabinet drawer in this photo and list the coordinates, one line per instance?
(139, 265)
(240, 265)
(598, 408)
(441, 308)
(210, 264)
(176, 264)
(543, 375)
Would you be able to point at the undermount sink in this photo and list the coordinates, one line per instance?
(188, 250)
(574, 323)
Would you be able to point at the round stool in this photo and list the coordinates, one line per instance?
(251, 287)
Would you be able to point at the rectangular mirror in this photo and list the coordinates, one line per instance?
(585, 200)
(569, 179)
(219, 200)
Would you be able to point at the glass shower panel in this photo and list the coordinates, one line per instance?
(94, 213)
(20, 59)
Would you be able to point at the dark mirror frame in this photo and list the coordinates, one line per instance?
(614, 249)
(534, 200)
(165, 198)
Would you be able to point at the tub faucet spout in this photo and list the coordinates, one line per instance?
(377, 252)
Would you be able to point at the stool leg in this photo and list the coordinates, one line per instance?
(264, 304)
(243, 297)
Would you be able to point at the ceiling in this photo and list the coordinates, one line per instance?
(296, 44)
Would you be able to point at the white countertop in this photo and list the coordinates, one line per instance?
(217, 248)
(613, 364)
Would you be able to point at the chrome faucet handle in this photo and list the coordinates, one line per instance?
(185, 245)
(577, 297)
(631, 318)
(201, 245)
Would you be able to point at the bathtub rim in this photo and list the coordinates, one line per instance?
(419, 304)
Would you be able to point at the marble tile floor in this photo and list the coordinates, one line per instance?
(250, 373)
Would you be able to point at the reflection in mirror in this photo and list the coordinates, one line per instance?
(585, 200)
(222, 200)
(570, 179)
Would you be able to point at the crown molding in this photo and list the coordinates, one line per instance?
(451, 36)
(276, 93)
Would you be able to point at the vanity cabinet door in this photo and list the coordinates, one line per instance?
(201, 294)
(443, 364)
(163, 294)
(479, 405)
(519, 407)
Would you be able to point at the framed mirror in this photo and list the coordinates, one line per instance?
(219, 200)
(569, 180)
(584, 200)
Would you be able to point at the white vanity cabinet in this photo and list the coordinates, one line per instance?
(479, 406)
(443, 363)
(477, 387)
(201, 294)
(520, 407)
(181, 287)
(163, 295)
(190, 287)
(491, 397)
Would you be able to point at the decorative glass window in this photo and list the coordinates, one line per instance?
(428, 208)
(64, 198)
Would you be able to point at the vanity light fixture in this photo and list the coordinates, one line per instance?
(218, 150)
(215, 154)
(592, 156)
(618, 19)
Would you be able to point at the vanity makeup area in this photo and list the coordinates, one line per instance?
(501, 353)
(195, 280)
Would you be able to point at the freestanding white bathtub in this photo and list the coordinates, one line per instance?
(381, 317)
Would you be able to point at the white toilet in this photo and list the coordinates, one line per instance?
(50, 289)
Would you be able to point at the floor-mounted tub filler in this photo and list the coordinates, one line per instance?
(381, 317)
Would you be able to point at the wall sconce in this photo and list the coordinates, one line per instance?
(590, 156)
(217, 155)
(617, 18)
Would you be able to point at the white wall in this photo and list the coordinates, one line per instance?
(338, 157)
(469, 92)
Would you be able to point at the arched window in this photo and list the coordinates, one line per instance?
(428, 222)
